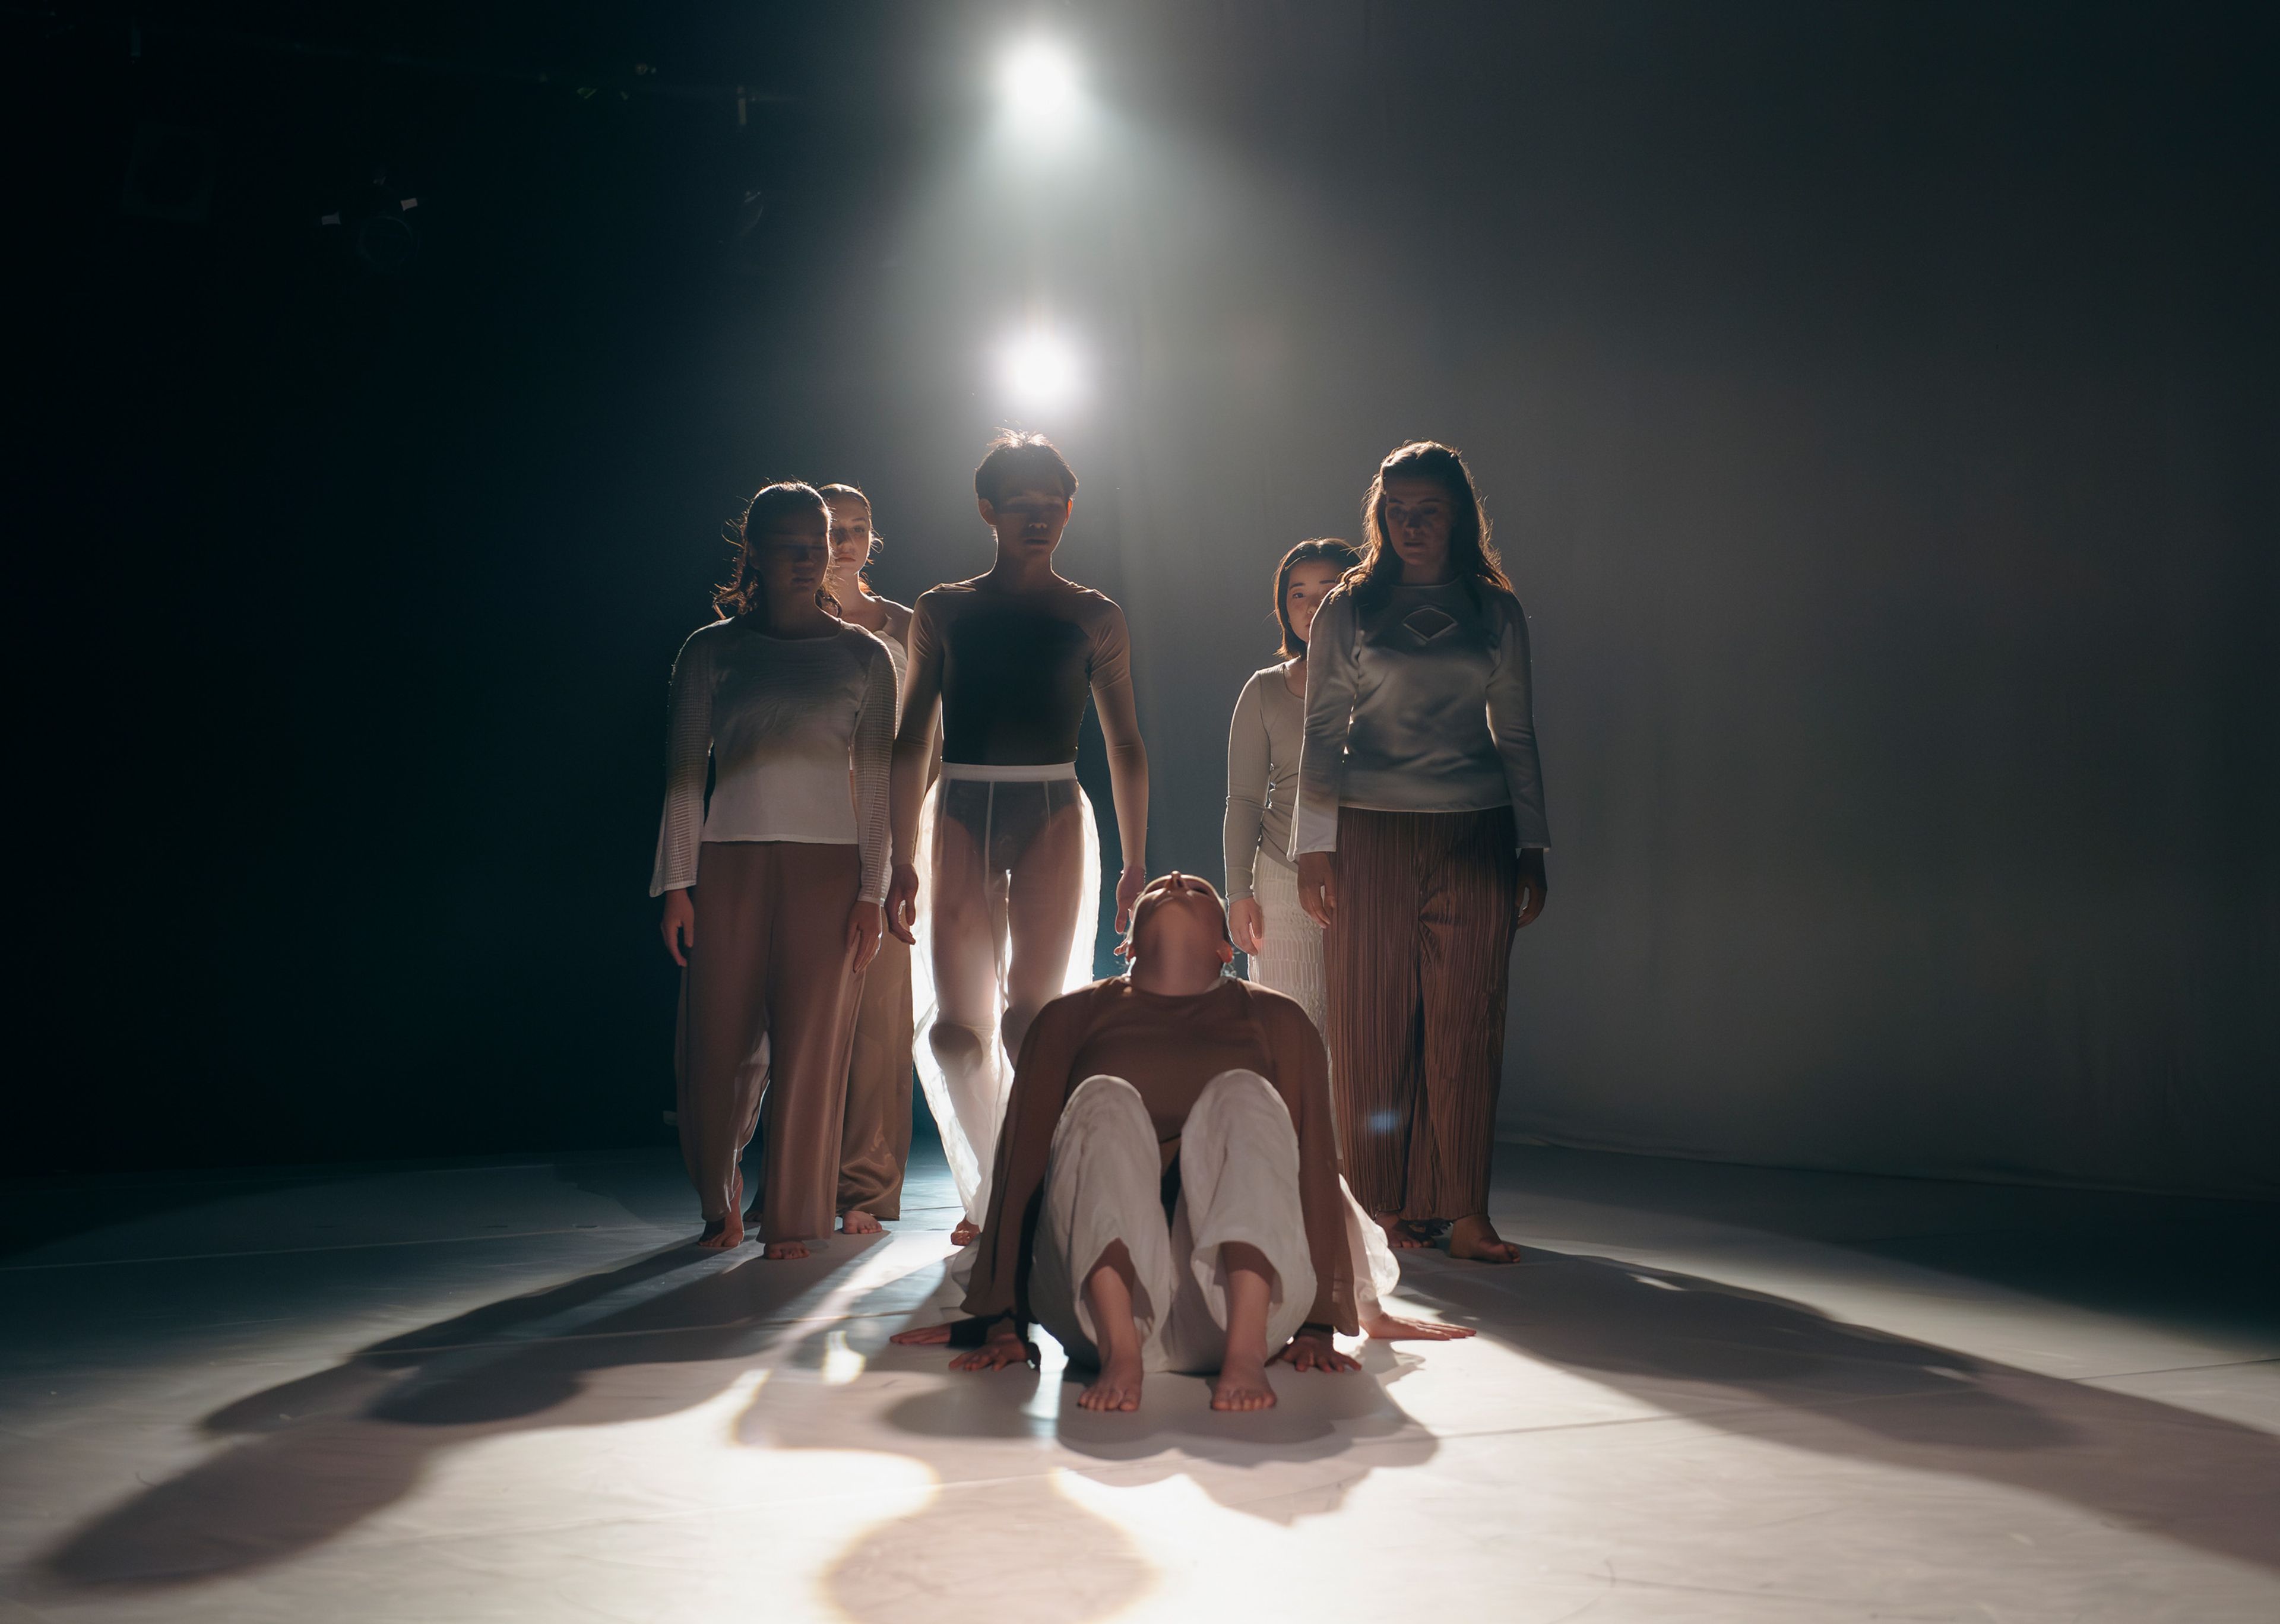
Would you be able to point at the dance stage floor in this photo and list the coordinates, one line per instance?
(507, 1391)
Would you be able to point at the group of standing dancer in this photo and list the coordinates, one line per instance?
(1169, 1169)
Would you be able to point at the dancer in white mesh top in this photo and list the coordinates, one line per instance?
(1012, 864)
(783, 700)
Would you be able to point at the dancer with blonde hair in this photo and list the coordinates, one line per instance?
(773, 889)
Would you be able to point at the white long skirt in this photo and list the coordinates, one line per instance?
(998, 807)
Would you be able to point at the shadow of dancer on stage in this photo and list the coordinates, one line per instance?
(1785, 1373)
(319, 1455)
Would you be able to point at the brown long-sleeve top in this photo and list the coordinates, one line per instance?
(1168, 1048)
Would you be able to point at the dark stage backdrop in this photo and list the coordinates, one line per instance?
(1875, 402)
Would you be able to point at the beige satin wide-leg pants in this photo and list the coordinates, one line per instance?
(875, 1142)
(771, 959)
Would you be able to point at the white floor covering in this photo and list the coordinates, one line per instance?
(507, 1391)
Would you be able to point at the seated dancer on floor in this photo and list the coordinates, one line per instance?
(1012, 867)
(875, 1148)
(1165, 1191)
(783, 700)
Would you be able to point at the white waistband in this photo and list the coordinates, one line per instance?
(1043, 774)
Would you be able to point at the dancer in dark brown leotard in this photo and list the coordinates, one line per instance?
(1007, 660)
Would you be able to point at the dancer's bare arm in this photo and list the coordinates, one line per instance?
(913, 755)
(1004, 1347)
(1128, 768)
(1314, 1348)
(680, 925)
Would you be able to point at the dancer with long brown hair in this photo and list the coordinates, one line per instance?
(1419, 839)
(780, 700)
(1264, 740)
(876, 1143)
(1006, 659)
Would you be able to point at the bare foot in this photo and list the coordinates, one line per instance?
(723, 1234)
(1117, 1387)
(855, 1220)
(1241, 1384)
(1475, 1238)
(1398, 1234)
(965, 1233)
(784, 1251)
(1383, 1326)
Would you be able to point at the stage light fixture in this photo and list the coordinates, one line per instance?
(1040, 82)
(1040, 370)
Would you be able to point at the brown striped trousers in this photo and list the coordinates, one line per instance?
(1416, 954)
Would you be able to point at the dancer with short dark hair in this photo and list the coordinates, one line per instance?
(1419, 839)
(781, 701)
(1006, 659)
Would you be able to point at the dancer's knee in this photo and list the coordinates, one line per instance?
(1104, 1103)
(1015, 1024)
(1243, 1103)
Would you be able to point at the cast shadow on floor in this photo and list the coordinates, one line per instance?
(1787, 1374)
(313, 1457)
(317, 1456)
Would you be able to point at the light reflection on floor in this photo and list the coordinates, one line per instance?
(507, 1392)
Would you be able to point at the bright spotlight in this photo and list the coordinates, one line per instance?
(1040, 369)
(1039, 81)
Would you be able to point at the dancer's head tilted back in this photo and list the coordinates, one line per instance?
(1178, 916)
(1025, 490)
(854, 540)
(1307, 573)
(783, 546)
(1423, 516)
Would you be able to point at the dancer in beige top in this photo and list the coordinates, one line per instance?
(779, 700)
(875, 1146)
(1263, 743)
(1007, 660)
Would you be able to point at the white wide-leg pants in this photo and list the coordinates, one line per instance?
(1238, 1182)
